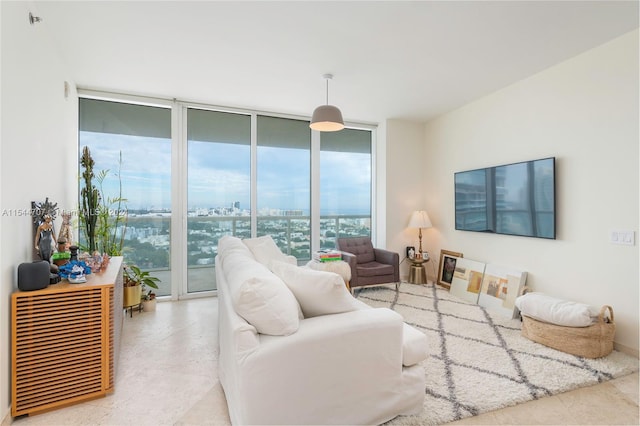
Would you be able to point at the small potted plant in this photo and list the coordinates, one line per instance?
(149, 301)
(135, 282)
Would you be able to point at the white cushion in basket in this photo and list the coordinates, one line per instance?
(317, 292)
(266, 251)
(258, 296)
(556, 311)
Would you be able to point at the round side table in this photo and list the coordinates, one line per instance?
(417, 273)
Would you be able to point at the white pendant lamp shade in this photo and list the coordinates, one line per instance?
(327, 118)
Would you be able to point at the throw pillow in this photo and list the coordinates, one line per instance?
(257, 295)
(317, 292)
(556, 311)
(265, 251)
(267, 304)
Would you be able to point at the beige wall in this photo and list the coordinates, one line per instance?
(406, 191)
(584, 112)
(39, 151)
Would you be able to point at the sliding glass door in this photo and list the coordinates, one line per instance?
(284, 184)
(218, 188)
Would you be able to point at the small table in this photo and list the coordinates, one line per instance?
(340, 267)
(417, 273)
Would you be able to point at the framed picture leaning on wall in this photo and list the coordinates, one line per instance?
(446, 267)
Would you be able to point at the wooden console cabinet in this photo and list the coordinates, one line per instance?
(65, 341)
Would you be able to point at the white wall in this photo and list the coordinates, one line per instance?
(405, 167)
(584, 112)
(39, 150)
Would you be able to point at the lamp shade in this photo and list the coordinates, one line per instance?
(327, 118)
(420, 219)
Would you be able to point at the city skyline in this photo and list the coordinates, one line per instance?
(219, 174)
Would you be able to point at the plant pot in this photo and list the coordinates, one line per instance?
(132, 296)
(149, 305)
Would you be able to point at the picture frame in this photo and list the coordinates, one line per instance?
(467, 279)
(446, 267)
(411, 252)
(501, 285)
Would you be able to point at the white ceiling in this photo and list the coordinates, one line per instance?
(404, 60)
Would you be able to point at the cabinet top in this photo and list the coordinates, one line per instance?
(103, 278)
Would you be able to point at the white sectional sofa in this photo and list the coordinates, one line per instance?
(297, 348)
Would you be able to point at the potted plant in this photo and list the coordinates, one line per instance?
(149, 301)
(103, 219)
(135, 282)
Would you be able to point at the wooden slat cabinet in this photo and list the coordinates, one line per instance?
(65, 341)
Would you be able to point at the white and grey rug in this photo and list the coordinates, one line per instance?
(478, 361)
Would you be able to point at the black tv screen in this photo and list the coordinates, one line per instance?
(513, 199)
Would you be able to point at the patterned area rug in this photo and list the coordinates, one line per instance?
(478, 361)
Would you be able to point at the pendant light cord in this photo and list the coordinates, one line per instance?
(327, 91)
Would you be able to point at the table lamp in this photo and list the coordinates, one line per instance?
(420, 219)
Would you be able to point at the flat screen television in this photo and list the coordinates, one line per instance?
(513, 199)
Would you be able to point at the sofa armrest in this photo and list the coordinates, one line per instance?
(332, 363)
(387, 257)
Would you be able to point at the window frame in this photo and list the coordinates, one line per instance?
(179, 175)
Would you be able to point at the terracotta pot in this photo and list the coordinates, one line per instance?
(132, 296)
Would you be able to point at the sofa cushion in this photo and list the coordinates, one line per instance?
(257, 295)
(374, 269)
(317, 292)
(265, 251)
(414, 346)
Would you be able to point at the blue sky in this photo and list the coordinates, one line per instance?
(219, 174)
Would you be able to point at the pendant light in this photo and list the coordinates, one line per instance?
(327, 118)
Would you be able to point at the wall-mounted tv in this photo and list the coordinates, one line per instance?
(513, 199)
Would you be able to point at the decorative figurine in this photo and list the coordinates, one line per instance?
(43, 216)
(44, 239)
(65, 231)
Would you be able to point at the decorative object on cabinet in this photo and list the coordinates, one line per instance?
(44, 215)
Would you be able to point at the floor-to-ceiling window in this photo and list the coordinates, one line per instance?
(210, 173)
(345, 185)
(131, 147)
(218, 188)
(284, 184)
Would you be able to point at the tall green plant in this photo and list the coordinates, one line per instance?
(100, 215)
(89, 200)
(111, 215)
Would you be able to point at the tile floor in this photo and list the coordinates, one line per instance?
(167, 375)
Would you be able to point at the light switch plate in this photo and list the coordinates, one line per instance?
(622, 236)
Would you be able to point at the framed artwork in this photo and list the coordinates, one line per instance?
(411, 252)
(500, 287)
(467, 279)
(447, 266)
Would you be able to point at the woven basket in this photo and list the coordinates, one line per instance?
(594, 341)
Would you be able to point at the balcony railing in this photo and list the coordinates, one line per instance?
(291, 234)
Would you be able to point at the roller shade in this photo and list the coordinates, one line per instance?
(124, 119)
